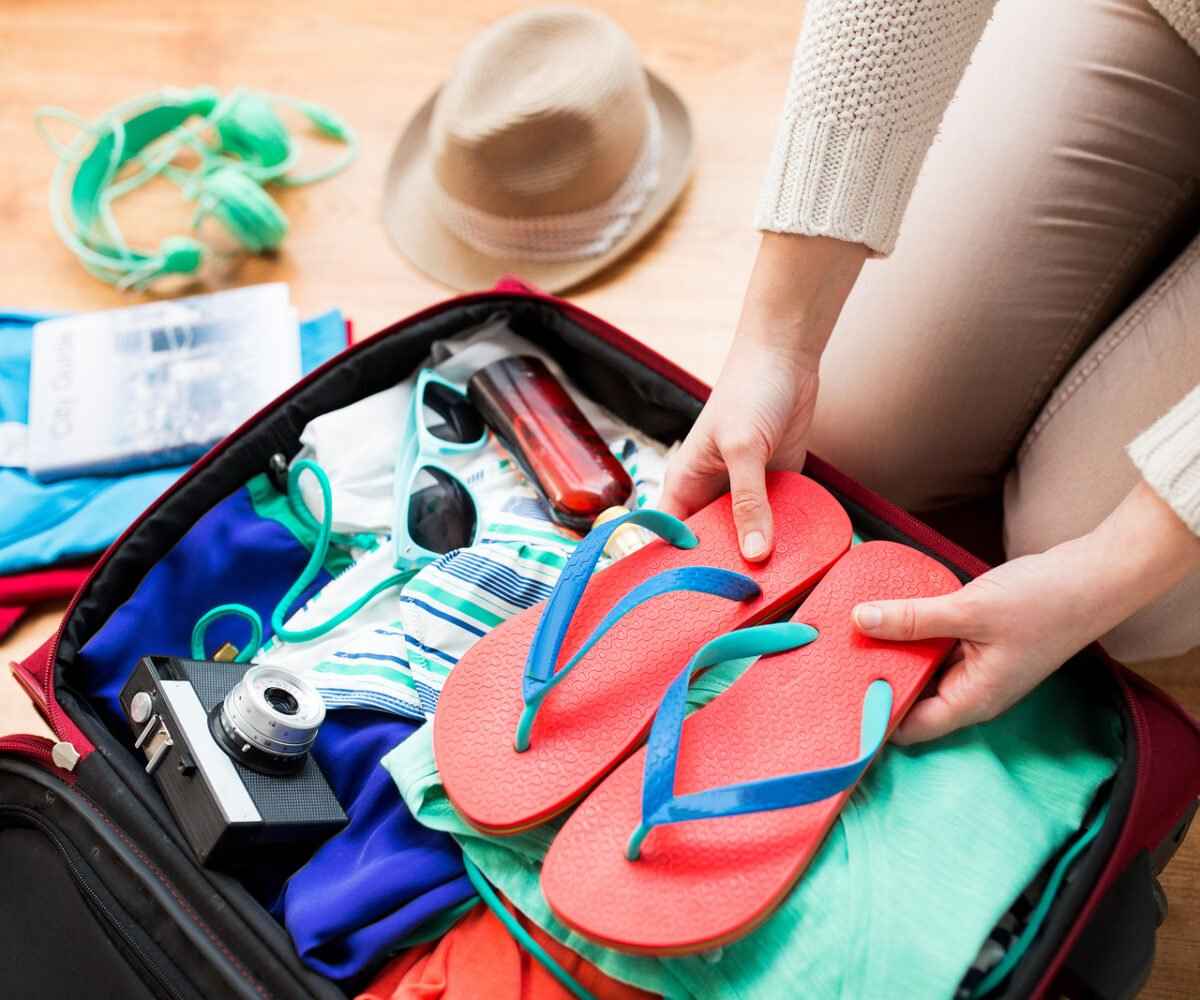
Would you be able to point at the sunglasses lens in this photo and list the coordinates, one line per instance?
(449, 416)
(441, 513)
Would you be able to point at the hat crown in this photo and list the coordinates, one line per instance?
(547, 112)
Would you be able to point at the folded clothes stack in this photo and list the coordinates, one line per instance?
(50, 530)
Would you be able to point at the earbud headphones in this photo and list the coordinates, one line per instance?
(242, 144)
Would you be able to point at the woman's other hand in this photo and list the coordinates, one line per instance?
(1021, 621)
(761, 409)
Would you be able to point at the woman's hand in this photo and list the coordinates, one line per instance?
(1020, 621)
(759, 413)
(761, 408)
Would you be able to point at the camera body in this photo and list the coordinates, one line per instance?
(230, 757)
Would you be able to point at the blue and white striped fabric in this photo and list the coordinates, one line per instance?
(397, 652)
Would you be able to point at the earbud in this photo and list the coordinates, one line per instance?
(244, 208)
(180, 255)
(252, 131)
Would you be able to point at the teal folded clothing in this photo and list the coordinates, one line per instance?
(932, 849)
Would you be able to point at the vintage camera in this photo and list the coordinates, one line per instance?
(228, 745)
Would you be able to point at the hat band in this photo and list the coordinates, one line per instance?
(567, 235)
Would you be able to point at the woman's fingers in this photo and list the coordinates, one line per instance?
(965, 695)
(748, 492)
(916, 618)
(689, 485)
(694, 479)
(961, 699)
(928, 719)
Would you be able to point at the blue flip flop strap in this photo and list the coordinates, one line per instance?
(699, 579)
(540, 675)
(660, 804)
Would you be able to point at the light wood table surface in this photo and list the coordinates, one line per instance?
(374, 63)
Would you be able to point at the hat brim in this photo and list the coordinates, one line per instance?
(415, 229)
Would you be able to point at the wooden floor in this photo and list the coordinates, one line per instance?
(374, 63)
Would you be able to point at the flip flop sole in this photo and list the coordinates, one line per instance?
(595, 717)
(701, 884)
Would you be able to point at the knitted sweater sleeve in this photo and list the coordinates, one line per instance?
(870, 82)
(1168, 456)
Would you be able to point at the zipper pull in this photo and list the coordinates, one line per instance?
(277, 472)
(64, 755)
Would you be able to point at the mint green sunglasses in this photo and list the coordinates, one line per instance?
(435, 510)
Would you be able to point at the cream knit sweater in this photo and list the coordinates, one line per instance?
(870, 82)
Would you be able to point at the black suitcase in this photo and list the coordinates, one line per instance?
(103, 898)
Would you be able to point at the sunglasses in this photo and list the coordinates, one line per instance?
(435, 511)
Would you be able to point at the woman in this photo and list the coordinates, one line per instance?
(991, 349)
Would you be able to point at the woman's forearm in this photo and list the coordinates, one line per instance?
(1096, 581)
(1136, 554)
(796, 292)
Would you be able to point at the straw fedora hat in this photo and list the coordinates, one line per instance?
(549, 153)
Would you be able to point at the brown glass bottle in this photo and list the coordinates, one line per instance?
(550, 438)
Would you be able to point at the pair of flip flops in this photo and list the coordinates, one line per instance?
(691, 841)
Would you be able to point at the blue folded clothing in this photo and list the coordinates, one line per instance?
(384, 877)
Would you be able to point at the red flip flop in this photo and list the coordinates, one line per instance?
(695, 839)
(628, 628)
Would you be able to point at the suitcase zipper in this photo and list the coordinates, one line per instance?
(45, 751)
(36, 748)
(149, 966)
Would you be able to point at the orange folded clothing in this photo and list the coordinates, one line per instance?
(477, 959)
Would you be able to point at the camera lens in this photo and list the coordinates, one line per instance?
(282, 701)
(269, 720)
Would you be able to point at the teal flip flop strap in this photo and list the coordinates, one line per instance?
(660, 804)
(540, 676)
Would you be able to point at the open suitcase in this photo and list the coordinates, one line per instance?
(102, 896)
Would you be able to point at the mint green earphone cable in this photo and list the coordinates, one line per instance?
(523, 937)
(98, 264)
(316, 560)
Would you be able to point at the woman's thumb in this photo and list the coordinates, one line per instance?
(913, 618)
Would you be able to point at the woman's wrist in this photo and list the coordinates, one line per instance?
(796, 293)
(1133, 557)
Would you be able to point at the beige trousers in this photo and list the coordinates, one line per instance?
(1043, 304)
